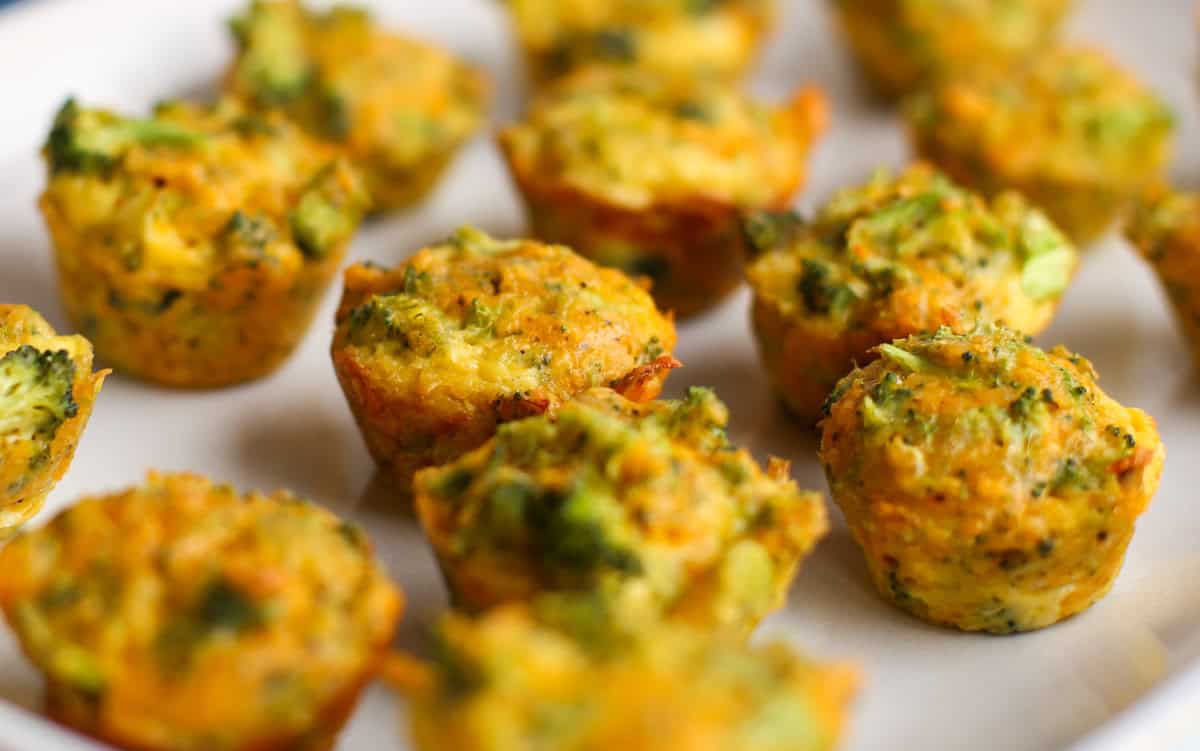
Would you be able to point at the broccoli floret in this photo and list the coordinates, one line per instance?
(402, 321)
(93, 141)
(570, 537)
(763, 231)
(274, 64)
(333, 118)
(328, 212)
(246, 238)
(36, 393)
(822, 294)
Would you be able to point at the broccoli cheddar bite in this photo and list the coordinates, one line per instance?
(47, 388)
(648, 175)
(398, 107)
(434, 354)
(193, 247)
(892, 258)
(679, 38)
(1072, 131)
(992, 486)
(901, 44)
(182, 616)
(1166, 231)
(648, 505)
(509, 683)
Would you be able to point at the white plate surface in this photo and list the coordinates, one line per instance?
(1115, 678)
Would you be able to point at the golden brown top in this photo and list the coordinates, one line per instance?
(985, 437)
(911, 253)
(490, 319)
(634, 140)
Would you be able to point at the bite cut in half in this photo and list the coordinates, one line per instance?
(47, 388)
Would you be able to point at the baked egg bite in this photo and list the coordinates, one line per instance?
(648, 505)
(182, 616)
(194, 246)
(1071, 130)
(992, 486)
(399, 108)
(679, 38)
(648, 175)
(902, 44)
(434, 354)
(1165, 229)
(47, 388)
(511, 681)
(894, 257)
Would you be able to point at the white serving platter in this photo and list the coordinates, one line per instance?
(1122, 676)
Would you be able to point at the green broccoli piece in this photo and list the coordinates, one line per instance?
(246, 238)
(764, 231)
(274, 63)
(904, 358)
(36, 393)
(570, 536)
(93, 141)
(1049, 259)
(327, 214)
(333, 120)
(821, 294)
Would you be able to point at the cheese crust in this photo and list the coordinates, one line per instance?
(992, 486)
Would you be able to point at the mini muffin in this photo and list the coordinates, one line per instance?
(648, 176)
(992, 486)
(434, 354)
(508, 682)
(1166, 231)
(902, 44)
(182, 616)
(47, 388)
(194, 247)
(399, 108)
(648, 505)
(892, 258)
(1078, 135)
(679, 38)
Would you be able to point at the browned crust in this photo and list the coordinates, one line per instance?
(645, 382)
